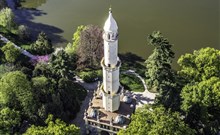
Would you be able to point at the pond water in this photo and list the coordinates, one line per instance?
(188, 24)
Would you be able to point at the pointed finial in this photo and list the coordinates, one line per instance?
(110, 9)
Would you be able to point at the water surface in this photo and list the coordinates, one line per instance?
(188, 24)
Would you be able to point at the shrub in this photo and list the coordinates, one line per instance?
(90, 76)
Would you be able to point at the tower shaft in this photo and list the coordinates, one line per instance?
(111, 65)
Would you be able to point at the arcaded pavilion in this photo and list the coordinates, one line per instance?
(111, 107)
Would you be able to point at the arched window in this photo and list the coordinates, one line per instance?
(108, 36)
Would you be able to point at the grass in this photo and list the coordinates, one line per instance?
(131, 61)
(131, 83)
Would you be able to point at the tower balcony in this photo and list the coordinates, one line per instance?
(111, 67)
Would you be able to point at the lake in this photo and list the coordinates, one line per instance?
(188, 24)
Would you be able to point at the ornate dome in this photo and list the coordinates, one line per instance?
(127, 99)
(93, 113)
(119, 119)
(110, 23)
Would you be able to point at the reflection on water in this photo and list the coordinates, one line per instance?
(188, 24)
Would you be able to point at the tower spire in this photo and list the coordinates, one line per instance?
(110, 8)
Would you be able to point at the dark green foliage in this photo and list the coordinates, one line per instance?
(156, 120)
(43, 69)
(201, 92)
(62, 64)
(159, 75)
(42, 45)
(158, 64)
(53, 127)
(62, 99)
(9, 120)
(131, 82)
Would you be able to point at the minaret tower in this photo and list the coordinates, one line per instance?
(111, 64)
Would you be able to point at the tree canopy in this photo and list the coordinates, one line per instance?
(156, 120)
(7, 18)
(90, 48)
(56, 127)
(11, 53)
(62, 64)
(159, 75)
(72, 47)
(201, 92)
(15, 92)
(42, 45)
(158, 64)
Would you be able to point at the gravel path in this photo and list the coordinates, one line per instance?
(90, 87)
(145, 97)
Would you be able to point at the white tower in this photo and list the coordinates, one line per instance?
(110, 65)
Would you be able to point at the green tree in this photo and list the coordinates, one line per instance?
(23, 32)
(159, 75)
(60, 98)
(158, 64)
(11, 52)
(43, 89)
(53, 128)
(7, 18)
(42, 45)
(43, 69)
(201, 93)
(71, 48)
(90, 49)
(156, 120)
(62, 64)
(5, 68)
(16, 92)
(9, 120)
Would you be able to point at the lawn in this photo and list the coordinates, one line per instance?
(131, 83)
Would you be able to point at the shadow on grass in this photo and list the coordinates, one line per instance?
(134, 62)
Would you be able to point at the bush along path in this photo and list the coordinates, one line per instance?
(142, 98)
(33, 58)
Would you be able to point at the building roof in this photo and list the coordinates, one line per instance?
(120, 117)
(110, 23)
(127, 99)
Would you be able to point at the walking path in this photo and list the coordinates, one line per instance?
(145, 97)
(90, 87)
(26, 53)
